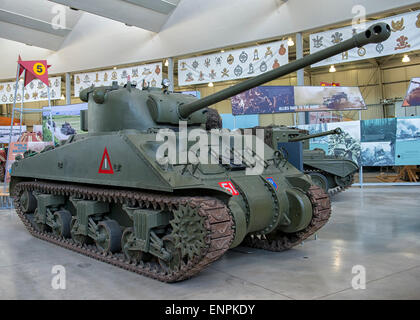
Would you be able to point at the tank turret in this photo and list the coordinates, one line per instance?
(115, 108)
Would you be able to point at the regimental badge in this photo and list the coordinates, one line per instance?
(219, 60)
(361, 52)
(27, 96)
(268, 52)
(183, 66)
(337, 37)
(195, 64)
(276, 64)
(345, 55)
(397, 25)
(146, 72)
(251, 69)
(189, 77)
(238, 70)
(105, 77)
(40, 85)
(282, 50)
(124, 74)
(379, 47)
(18, 97)
(77, 79)
(32, 85)
(1, 87)
(53, 93)
(225, 73)
(418, 21)
(97, 77)
(256, 55)
(243, 57)
(11, 98)
(207, 62)
(230, 59)
(402, 43)
(35, 95)
(56, 83)
(153, 83)
(135, 73)
(201, 78)
(317, 42)
(212, 74)
(263, 67)
(14, 86)
(114, 75)
(157, 69)
(4, 98)
(85, 80)
(8, 88)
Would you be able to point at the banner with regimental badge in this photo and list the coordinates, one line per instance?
(405, 36)
(150, 73)
(234, 64)
(36, 90)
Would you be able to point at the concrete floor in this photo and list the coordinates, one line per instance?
(378, 228)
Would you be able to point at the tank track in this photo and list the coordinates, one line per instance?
(218, 222)
(338, 189)
(321, 209)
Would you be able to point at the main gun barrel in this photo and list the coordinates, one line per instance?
(316, 135)
(376, 33)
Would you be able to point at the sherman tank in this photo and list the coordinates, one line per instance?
(334, 173)
(106, 194)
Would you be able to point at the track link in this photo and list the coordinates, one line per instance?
(335, 190)
(218, 222)
(321, 211)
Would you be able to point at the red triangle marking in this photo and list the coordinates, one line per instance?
(107, 163)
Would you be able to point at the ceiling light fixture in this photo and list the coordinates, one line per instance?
(290, 42)
(406, 58)
(115, 68)
(211, 84)
(222, 51)
(332, 69)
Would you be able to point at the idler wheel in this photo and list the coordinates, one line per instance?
(109, 236)
(132, 255)
(62, 222)
(343, 181)
(28, 202)
(320, 180)
(78, 238)
(174, 263)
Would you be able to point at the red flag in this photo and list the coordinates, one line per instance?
(35, 69)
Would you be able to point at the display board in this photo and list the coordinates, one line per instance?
(407, 149)
(405, 36)
(151, 73)
(5, 133)
(66, 121)
(412, 98)
(36, 90)
(19, 148)
(245, 121)
(377, 142)
(278, 99)
(233, 64)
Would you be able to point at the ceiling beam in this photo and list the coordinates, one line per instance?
(31, 23)
(160, 6)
